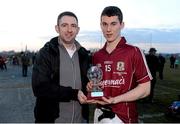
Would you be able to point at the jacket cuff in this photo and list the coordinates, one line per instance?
(75, 94)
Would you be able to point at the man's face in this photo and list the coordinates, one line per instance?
(67, 29)
(111, 28)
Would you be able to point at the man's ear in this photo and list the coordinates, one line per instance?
(57, 28)
(78, 30)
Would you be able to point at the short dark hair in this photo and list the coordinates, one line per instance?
(112, 11)
(66, 13)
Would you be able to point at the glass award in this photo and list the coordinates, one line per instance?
(95, 74)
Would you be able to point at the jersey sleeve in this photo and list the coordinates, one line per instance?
(141, 70)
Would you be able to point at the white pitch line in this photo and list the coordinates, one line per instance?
(151, 115)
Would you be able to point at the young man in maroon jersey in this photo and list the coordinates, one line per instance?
(126, 77)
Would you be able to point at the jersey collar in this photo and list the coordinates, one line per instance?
(121, 43)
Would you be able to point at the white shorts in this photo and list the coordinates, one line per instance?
(98, 112)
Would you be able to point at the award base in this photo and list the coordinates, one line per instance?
(95, 95)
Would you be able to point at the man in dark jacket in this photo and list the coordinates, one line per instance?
(25, 63)
(153, 64)
(59, 76)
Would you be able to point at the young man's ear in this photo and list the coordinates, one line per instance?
(122, 25)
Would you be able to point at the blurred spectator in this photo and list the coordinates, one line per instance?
(25, 63)
(172, 61)
(162, 61)
(153, 63)
(33, 58)
(3, 63)
(15, 60)
(176, 63)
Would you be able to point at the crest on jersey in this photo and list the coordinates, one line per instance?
(120, 66)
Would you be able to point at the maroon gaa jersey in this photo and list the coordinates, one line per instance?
(123, 70)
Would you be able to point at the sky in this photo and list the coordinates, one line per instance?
(32, 22)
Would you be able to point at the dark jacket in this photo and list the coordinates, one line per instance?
(45, 82)
(153, 64)
(25, 60)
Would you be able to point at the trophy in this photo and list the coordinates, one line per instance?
(94, 74)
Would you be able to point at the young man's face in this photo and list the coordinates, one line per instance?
(111, 28)
(67, 29)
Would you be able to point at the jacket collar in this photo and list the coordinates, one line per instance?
(77, 44)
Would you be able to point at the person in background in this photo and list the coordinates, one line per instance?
(126, 77)
(162, 61)
(176, 63)
(153, 64)
(4, 63)
(60, 76)
(1, 63)
(172, 61)
(33, 58)
(25, 61)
